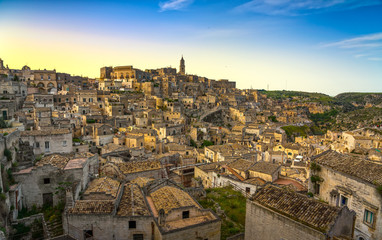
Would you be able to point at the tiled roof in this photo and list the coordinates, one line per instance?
(104, 185)
(264, 167)
(298, 207)
(211, 166)
(75, 163)
(182, 223)
(138, 166)
(132, 202)
(255, 181)
(168, 198)
(356, 166)
(56, 160)
(240, 164)
(92, 207)
(45, 133)
(141, 181)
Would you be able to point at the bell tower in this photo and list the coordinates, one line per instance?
(182, 67)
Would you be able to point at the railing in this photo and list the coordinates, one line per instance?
(239, 189)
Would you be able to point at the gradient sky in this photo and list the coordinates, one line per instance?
(328, 46)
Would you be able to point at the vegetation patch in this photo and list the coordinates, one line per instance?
(232, 205)
(206, 143)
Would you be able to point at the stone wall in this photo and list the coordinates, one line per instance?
(33, 187)
(262, 223)
(56, 143)
(210, 231)
(107, 226)
(360, 194)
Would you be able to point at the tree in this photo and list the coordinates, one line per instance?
(193, 143)
(206, 143)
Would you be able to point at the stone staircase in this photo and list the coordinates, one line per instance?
(54, 228)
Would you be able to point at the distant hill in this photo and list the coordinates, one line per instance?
(348, 110)
(308, 96)
(364, 117)
(360, 99)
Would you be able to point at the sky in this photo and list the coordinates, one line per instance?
(328, 46)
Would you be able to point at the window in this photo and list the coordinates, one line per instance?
(132, 224)
(186, 214)
(343, 201)
(247, 190)
(46, 180)
(368, 217)
(47, 146)
(37, 145)
(64, 143)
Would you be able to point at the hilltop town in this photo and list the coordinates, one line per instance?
(162, 154)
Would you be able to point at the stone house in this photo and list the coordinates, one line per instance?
(157, 210)
(349, 180)
(40, 184)
(52, 141)
(42, 118)
(98, 133)
(45, 80)
(132, 169)
(296, 216)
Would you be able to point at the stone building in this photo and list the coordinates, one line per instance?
(157, 210)
(277, 213)
(133, 169)
(351, 180)
(41, 183)
(52, 141)
(45, 80)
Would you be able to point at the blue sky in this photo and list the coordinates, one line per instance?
(328, 46)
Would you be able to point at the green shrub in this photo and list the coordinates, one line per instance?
(206, 143)
(379, 189)
(21, 229)
(2, 196)
(193, 143)
(315, 178)
(8, 154)
(315, 167)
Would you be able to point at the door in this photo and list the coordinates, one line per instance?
(47, 199)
